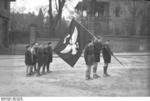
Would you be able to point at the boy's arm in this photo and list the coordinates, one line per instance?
(109, 49)
(85, 53)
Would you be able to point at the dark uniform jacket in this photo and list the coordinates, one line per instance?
(89, 55)
(44, 55)
(50, 54)
(97, 50)
(106, 53)
(28, 58)
(35, 55)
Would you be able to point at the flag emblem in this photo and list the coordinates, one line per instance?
(71, 46)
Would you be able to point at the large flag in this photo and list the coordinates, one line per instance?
(71, 46)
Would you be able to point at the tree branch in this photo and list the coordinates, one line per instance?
(56, 6)
(50, 10)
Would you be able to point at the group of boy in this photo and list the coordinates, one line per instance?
(92, 55)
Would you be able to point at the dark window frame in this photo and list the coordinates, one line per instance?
(117, 11)
(6, 3)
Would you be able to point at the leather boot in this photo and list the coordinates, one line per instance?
(105, 71)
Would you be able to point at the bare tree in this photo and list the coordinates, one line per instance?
(136, 9)
(55, 18)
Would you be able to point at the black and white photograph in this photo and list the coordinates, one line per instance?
(74, 48)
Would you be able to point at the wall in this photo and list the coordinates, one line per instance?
(0, 32)
(131, 19)
(4, 16)
(128, 30)
(128, 44)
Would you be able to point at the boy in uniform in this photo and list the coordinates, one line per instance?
(97, 52)
(89, 59)
(106, 56)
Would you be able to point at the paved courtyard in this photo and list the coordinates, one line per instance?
(131, 80)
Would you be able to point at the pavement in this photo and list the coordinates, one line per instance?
(125, 58)
(19, 49)
(116, 54)
(65, 81)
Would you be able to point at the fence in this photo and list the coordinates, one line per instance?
(128, 44)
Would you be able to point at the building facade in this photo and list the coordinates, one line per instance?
(116, 17)
(125, 22)
(4, 22)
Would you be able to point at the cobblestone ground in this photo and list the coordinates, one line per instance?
(131, 80)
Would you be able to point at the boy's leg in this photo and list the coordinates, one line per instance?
(95, 70)
(105, 69)
(88, 72)
(48, 64)
(27, 70)
(38, 69)
(43, 69)
(30, 70)
(35, 67)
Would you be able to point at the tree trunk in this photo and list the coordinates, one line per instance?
(55, 20)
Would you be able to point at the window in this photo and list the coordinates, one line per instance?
(117, 11)
(6, 3)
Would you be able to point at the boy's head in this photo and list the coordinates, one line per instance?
(99, 39)
(27, 47)
(91, 42)
(49, 43)
(107, 42)
(36, 44)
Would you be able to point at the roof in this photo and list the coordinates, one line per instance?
(12, 0)
(81, 6)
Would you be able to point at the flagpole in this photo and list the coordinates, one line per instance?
(86, 29)
(118, 60)
(96, 38)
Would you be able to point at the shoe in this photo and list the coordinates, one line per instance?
(38, 74)
(28, 75)
(95, 76)
(88, 78)
(106, 75)
(49, 71)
